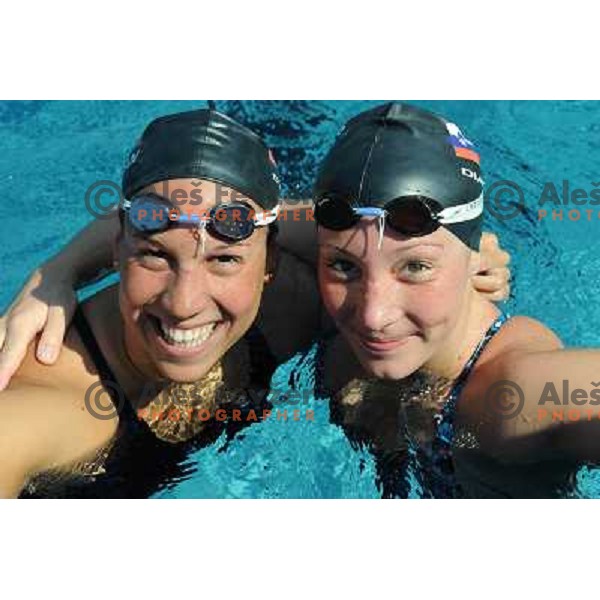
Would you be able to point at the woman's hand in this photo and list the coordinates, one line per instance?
(45, 304)
(493, 278)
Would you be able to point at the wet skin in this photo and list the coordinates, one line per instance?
(408, 321)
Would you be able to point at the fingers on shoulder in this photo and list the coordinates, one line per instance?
(496, 279)
(489, 240)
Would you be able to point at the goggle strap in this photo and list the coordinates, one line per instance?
(462, 212)
(381, 224)
(380, 214)
(267, 217)
(202, 228)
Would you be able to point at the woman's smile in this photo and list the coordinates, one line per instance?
(180, 342)
(380, 346)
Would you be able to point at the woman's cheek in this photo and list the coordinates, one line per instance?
(333, 295)
(141, 286)
(240, 295)
(426, 305)
(436, 305)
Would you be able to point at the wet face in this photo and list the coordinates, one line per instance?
(183, 308)
(400, 306)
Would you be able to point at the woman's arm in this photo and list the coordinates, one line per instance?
(47, 301)
(561, 391)
(537, 400)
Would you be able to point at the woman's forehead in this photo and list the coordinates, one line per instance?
(364, 239)
(197, 194)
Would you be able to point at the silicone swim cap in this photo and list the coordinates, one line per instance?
(398, 150)
(203, 144)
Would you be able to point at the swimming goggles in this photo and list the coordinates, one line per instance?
(411, 216)
(234, 222)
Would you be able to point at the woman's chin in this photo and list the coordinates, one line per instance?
(387, 359)
(393, 372)
(184, 373)
(391, 367)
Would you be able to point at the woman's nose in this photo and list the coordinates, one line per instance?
(378, 306)
(188, 293)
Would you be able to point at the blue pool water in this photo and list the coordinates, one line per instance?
(52, 152)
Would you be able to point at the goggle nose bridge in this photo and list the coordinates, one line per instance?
(378, 213)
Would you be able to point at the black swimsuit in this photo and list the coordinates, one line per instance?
(137, 463)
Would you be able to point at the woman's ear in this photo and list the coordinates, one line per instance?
(272, 261)
(116, 247)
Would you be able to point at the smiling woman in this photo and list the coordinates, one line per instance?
(188, 332)
(181, 318)
(417, 349)
(182, 311)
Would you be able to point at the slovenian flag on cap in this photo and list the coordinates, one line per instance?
(463, 148)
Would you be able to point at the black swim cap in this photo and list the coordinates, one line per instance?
(203, 144)
(397, 150)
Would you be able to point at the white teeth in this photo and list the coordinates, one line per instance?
(187, 338)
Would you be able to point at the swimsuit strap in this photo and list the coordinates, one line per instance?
(106, 374)
(445, 418)
(262, 360)
(438, 476)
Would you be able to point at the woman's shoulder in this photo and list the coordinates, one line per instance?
(494, 372)
(46, 418)
(62, 391)
(74, 370)
(518, 335)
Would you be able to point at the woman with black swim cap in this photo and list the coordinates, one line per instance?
(176, 334)
(190, 290)
(419, 363)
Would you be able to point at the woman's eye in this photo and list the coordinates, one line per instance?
(152, 257)
(226, 260)
(342, 267)
(146, 252)
(417, 269)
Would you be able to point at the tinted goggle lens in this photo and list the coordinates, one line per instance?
(336, 214)
(153, 214)
(149, 213)
(233, 222)
(409, 215)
